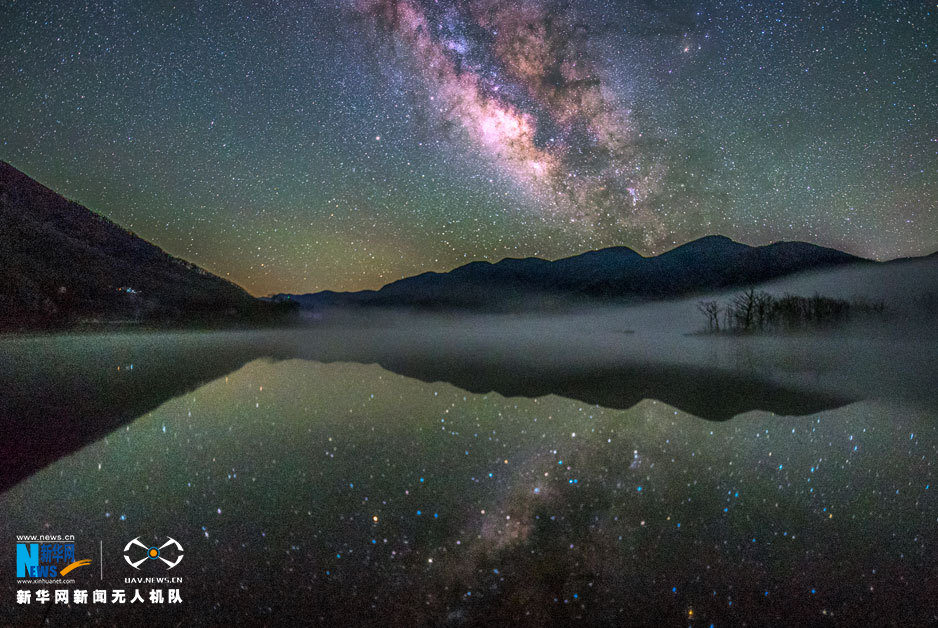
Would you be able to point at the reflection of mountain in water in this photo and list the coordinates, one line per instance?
(709, 394)
(62, 393)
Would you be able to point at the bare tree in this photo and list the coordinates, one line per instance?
(764, 304)
(710, 309)
(761, 311)
(744, 305)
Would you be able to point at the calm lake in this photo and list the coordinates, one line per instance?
(372, 478)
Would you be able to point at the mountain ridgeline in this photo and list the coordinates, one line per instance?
(62, 265)
(614, 274)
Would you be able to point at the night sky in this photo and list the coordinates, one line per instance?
(300, 146)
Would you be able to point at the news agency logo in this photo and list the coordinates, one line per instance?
(153, 552)
(45, 556)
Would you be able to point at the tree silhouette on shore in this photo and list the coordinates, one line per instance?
(759, 311)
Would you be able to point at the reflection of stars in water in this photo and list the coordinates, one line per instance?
(636, 460)
(426, 500)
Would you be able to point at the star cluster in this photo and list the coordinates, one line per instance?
(320, 145)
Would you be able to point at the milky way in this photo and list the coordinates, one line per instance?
(518, 79)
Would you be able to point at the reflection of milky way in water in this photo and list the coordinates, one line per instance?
(343, 492)
(517, 78)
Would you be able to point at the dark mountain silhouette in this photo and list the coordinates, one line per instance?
(62, 264)
(611, 274)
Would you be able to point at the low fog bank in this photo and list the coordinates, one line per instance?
(853, 364)
(877, 356)
(607, 355)
(907, 289)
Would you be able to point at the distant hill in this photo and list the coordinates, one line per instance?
(612, 274)
(62, 265)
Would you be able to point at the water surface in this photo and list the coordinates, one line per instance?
(318, 490)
